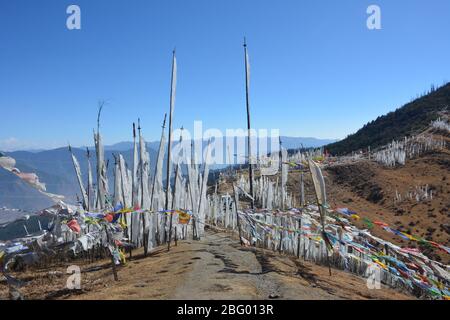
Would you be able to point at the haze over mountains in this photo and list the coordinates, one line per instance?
(54, 168)
(16, 193)
(288, 142)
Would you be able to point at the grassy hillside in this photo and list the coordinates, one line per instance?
(409, 119)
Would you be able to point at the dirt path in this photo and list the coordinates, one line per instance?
(216, 267)
(225, 270)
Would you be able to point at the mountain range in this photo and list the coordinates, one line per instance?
(287, 142)
(54, 168)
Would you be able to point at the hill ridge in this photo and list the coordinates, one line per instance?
(409, 119)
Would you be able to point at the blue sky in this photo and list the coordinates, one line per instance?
(316, 70)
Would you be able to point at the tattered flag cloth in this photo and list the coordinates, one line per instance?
(74, 226)
(184, 217)
(345, 211)
(109, 217)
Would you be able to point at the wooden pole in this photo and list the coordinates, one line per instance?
(100, 196)
(172, 102)
(80, 182)
(154, 176)
(89, 181)
(171, 217)
(124, 215)
(114, 269)
(281, 235)
(133, 201)
(299, 236)
(230, 170)
(144, 237)
(302, 191)
(325, 237)
(247, 83)
(236, 206)
(173, 196)
(321, 200)
(280, 155)
(193, 206)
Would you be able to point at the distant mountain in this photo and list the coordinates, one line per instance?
(307, 142)
(128, 145)
(288, 143)
(120, 146)
(412, 118)
(55, 169)
(17, 194)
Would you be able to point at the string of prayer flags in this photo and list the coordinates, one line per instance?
(406, 236)
(184, 217)
(74, 226)
(368, 223)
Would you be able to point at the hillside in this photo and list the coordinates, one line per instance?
(393, 195)
(412, 118)
(370, 189)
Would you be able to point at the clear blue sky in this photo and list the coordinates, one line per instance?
(316, 70)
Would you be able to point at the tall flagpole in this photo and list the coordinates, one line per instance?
(161, 149)
(76, 166)
(89, 183)
(133, 182)
(172, 102)
(134, 176)
(141, 165)
(247, 83)
(174, 193)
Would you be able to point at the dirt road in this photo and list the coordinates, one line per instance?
(225, 270)
(216, 267)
